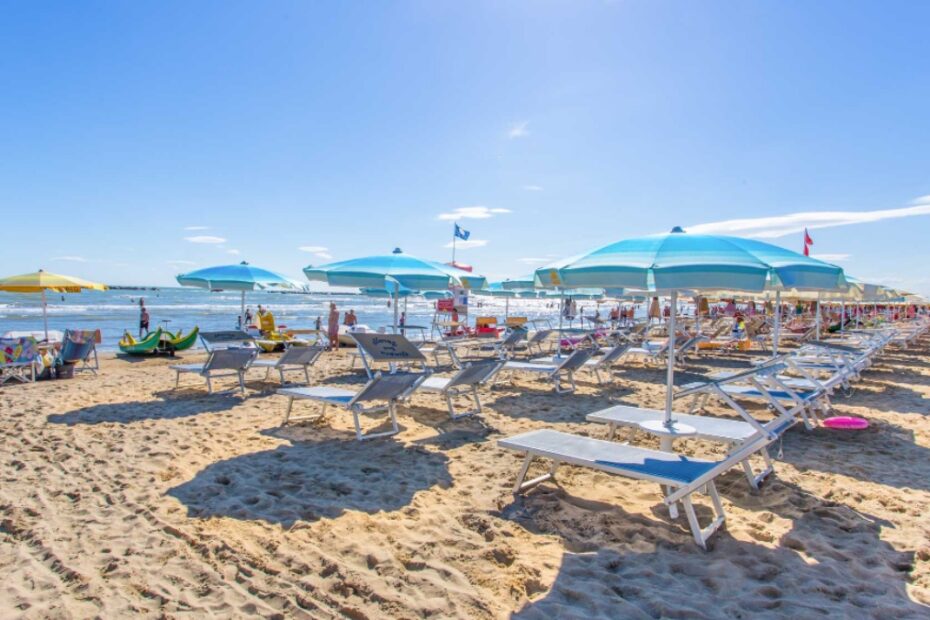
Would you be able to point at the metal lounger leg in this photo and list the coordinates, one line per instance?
(241, 374)
(520, 485)
(209, 385)
(307, 373)
(702, 535)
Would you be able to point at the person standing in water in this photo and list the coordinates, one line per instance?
(143, 319)
(333, 326)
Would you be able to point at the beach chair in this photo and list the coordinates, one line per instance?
(467, 380)
(294, 358)
(232, 338)
(392, 349)
(556, 370)
(595, 364)
(384, 390)
(734, 433)
(18, 359)
(760, 384)
(538, 339)
(78, 346)
(223, 362)
(678, 476)
(504, 348)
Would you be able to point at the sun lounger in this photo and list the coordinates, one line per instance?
(392, 349)
(78, 347)
(467, 380)
(226, 339)
(679, 476)
(595, 364)
(230, 362)
(504, 348)
(386, 390)
(294, 358)
(18, 358)
(732, 432)
(555, 371)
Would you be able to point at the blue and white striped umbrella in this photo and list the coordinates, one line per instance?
(677, 260)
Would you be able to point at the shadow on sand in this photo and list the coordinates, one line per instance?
(309, 480)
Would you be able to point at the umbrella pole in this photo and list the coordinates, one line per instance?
(558, 349)
(506, 308)
(670, 375)
(396, 296)
(842, 316)
(817, 320)
(776, 331)
(242, 324)
(45, 314)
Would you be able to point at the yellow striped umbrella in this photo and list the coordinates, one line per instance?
(42, 281)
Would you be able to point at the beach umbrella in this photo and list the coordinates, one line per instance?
(242, 277)
(41, 281)
(393, 271)
(677, 260)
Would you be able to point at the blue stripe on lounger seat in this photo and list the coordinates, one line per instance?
(683, 469)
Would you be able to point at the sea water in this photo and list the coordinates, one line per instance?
(115, 311)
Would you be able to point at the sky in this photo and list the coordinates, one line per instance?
(139, 140)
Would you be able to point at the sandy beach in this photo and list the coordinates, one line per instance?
(121, 496)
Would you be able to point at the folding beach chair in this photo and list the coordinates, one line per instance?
(384, 389)
(595, 364)
(464, 381)
(504, 348)
(679, 476)
(18, 358)
(392, 349)
(294, 358)
(536, 341)
(78, 346)
(229, 362)
(556, 370)
(232, 338)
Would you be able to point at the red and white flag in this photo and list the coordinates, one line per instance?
(808, 242)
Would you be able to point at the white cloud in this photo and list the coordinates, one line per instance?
(196, 228)
(831, 258)
(534, 261)
(461, 244)
(233, 252)
(71, 259)
(209, 239)
(518, 130)
(533, 188)
(471, 213)
(313, 249)
(325, 255)
(180, 262)
(781, 225)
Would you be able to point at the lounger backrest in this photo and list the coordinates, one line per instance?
(387, 347)
(771, 367)
(387, 387)
(514, 337)
(74, 348)
(15, 351)
(232, 358)
(613, 354)
(475, 373)
(298, 355)
(226, 339)
(576, 360)
(540, 335)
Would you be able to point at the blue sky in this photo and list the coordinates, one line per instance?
(134, 133)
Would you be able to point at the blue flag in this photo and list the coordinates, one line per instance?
(461, 233)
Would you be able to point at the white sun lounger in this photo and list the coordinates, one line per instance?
(595, 364)
(295, 358)
(386, 390)
(555, 371)
(231, 362)
(732, 432)
(464, 381)
(679, 476)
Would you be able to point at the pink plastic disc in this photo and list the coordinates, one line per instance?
(846, 422)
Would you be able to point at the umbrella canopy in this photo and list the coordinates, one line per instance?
(408, 271)
(678, 260)
(523, 283)
(41, 281)
(242, 277)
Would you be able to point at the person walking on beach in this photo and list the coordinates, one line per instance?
(333, 327)
(248, 316)
(351, 319)
(143, 319)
